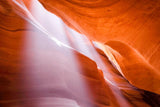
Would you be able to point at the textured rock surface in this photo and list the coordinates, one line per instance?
(36, 72)
(129, 27)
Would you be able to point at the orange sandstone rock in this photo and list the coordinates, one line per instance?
(35, 71)
(135, 23)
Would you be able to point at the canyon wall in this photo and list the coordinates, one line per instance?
(127, 30)
(35, 71)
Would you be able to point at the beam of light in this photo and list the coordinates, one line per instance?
(45, 73)
(64, 38)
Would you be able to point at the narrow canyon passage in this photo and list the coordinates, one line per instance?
(46, 61)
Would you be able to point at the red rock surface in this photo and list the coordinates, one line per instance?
(37, 72)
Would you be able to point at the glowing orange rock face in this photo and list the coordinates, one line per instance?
(129, 28)
(36, 72)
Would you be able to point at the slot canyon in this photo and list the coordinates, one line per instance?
(79, 53)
